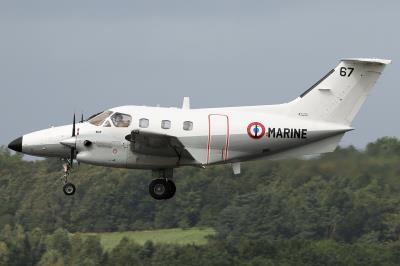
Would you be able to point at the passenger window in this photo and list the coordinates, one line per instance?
(107, 124)
(187, 125)
(144, 122)
(121, 120)
(166, 124)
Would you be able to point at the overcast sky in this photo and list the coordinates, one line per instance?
(57, 57)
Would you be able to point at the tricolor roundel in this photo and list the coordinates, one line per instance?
(256, 130)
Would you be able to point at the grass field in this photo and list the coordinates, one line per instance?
(196, 236)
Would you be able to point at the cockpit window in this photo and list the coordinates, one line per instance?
(121, 120)
(107, 124)
(99, 119)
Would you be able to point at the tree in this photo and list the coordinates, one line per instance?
(126, 253)
(59, 241)
(4, 254)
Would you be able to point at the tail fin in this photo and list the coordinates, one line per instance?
(338, 96)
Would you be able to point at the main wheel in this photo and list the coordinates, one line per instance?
(158, 189)
(69, 189)
(171, 189)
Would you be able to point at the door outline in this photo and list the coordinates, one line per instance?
(225, 150)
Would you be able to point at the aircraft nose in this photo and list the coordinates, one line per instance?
(16, 145)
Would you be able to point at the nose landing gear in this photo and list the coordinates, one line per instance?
(68, 188)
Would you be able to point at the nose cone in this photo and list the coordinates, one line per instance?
(16, 145)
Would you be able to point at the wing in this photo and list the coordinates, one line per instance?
(156, 144)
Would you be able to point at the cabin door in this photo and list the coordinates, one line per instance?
(218, 138)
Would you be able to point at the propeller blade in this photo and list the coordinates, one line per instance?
(82, 118)
(73, 127)
(73, 135)
(72, 156)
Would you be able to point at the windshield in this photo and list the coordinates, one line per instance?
(97, 120)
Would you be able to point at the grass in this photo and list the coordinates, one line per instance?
(197, 236)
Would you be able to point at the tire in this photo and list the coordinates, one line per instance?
(69, 189)
(171, 189)
(158, 189)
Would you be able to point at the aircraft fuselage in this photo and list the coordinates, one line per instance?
(218, 135)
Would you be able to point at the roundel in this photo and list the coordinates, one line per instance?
(256, 130)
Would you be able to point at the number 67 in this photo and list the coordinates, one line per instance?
(343, 71)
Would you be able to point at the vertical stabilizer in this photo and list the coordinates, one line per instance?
(338, 96)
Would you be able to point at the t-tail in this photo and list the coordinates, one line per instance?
(335, 100)
(339, 95)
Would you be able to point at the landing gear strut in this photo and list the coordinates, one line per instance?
(162, 187)
(68, 188)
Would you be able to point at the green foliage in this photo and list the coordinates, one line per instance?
(126, 253)
(179, 236)
(384, 147)
(16, 247)
(341, 208)
(59, 241)
(4, 253)
(347, 196)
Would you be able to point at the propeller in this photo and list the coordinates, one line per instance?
(73, 126)
(79, 163)
(73, 149)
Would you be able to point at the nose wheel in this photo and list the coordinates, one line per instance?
(68, 188)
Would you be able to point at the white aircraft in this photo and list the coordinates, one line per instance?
(161, 139)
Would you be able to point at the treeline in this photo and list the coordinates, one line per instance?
(35, 248)
(342, 207)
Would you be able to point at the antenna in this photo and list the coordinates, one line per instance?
(186, 103)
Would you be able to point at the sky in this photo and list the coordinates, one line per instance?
(61, 57)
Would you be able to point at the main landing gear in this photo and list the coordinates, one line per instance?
(162, 188)
(68, 188)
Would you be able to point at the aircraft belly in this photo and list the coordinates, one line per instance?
(141, 161)
(244, 148)
(241, 147)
